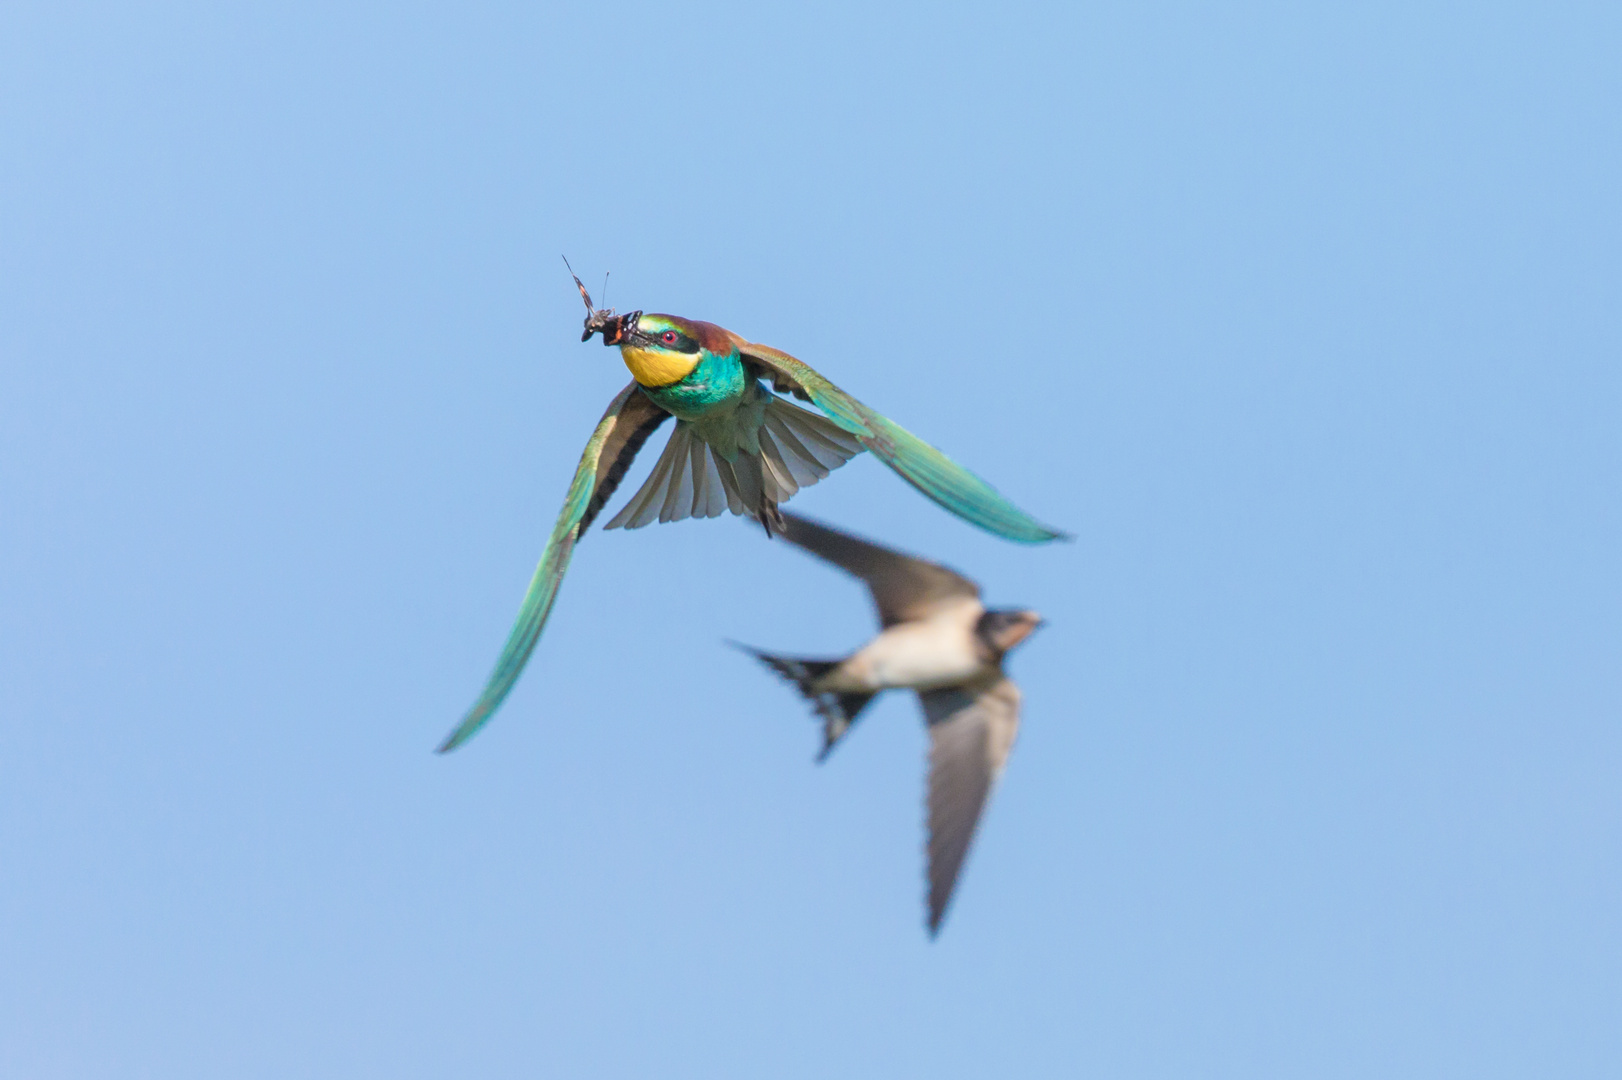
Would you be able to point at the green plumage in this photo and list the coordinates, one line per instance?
(630, 419)
(737, 447)
(919, 464)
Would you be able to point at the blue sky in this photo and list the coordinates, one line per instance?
(1304, 321)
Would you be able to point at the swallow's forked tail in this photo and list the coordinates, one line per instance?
(838, 709)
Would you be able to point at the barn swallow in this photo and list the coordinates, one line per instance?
(936, 638)
(737, 446)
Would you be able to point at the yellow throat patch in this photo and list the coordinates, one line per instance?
(655, 367)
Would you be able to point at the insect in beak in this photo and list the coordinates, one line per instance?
(616, 329)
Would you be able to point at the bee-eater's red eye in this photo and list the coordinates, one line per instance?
(668, 337)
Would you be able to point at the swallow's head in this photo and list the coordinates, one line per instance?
(1002, 630)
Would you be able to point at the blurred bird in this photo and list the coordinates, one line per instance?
(737, 446)
(937, 639)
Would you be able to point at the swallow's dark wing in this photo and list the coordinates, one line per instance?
(904, 588)
(630, 419)
(945, 481)
(971, 730)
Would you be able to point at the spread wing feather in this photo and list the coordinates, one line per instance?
(971, 730)
(692, 479)
(921, 465)
(630, 419)
(904, 588)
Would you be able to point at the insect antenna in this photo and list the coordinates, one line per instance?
(597, 319)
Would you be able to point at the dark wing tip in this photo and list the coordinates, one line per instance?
(454, 739)
(936, 900)
(1046, 534)
(469, 727)
(937, 914)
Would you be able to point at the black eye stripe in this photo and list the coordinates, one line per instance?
(675, 339)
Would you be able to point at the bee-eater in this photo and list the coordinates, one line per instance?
(938, 640)
(737, 446)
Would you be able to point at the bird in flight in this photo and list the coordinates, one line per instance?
(937, 639)
(737, 446)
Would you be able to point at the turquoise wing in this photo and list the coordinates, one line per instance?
(630, 419)
(921, 465)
